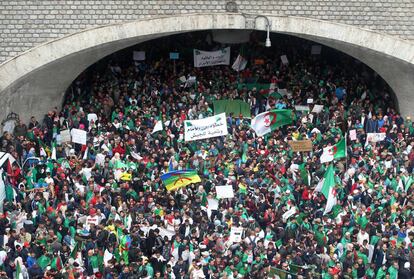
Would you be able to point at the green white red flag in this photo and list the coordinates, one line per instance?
(336, 151)
(269, 121)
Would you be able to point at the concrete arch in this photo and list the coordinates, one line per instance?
(35, 81)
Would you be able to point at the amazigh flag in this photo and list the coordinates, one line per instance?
(174, 180)
(239, 64)
(242, 188)
(269, 121)
(334, 152)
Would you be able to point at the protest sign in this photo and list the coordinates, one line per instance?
(352, 134)
(139, 55)
(301, 145)
(92, 117)
(284, 59)
(78, 136)
(374, 137)
(236, 234)
(302, 108)
(317, 108)
(309, 101)
(174, 55)
(225, 192)
(211, 58)
(209, 127)
(212, 204)
(65, 136)
(316, 49)
(259, 62)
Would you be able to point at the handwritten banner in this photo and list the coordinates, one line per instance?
(236, 234)
(65, 136)
(210, 127)
(376, 137)
(301, 145)
(211, 58)
(78, 136)
(225, 192)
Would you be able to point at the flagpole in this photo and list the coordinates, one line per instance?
(346, 152)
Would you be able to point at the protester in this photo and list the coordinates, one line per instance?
(102, 210)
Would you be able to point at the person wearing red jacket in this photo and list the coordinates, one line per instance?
(119, 149)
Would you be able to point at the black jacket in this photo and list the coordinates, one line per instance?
(404, 274)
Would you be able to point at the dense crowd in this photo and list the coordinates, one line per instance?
(101, 210)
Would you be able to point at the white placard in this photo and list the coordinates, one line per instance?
(302, 108)
(211, 58)
(375, 137)
(210, 127)
(225, 192)
(236, 234)
(352, 134)
(316, 49)
(78, 136)
(212, 204)
(65, 136)
(284, 59)
(92, 117)
(139, 55)
(309, 101)
(317, 108)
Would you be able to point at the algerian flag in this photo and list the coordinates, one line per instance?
(304, 174)
(2, 190)
(19, 274)
(328, 181)
(334, 152)
(239, 64)
(56, 263)
(158, 127)
(407, 182)
(331, 202)
(269, 121)
(85, 155)
(289, 213)
(43, 152)
(53, 157)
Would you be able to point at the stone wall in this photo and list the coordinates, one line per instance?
(25, 24)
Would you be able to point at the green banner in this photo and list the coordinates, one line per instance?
(237, 107)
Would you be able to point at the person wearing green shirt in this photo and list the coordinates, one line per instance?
(393, 270)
